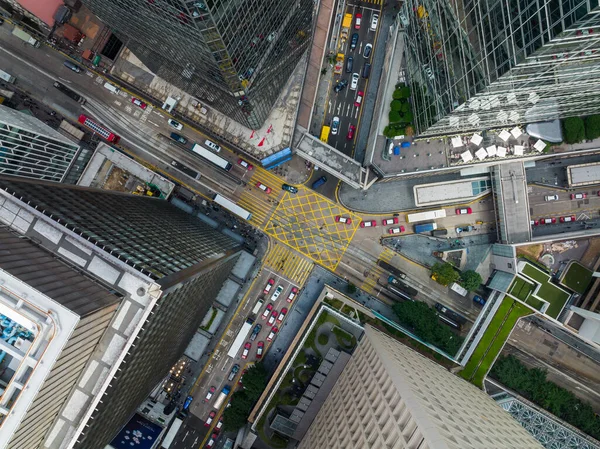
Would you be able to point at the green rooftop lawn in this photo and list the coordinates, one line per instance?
(535, 303)
(535, 273)
(555, 296)
(577, 278)
(521, 288)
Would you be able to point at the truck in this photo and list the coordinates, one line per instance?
(346, 23)
(459, 289)
(7, 77)
(222, 396)
(339, 64)
(440, 232)
(176, 137)
(18, 32)
(240, 338)
(428, 215)
(425, 227)
(168, 440)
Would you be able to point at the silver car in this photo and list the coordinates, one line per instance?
(335, 125)
(354, 82)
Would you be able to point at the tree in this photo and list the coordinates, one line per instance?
(395, 105)
(470, 280)
(444, 273)
(574, 129)
(394, 116)
(592, 127)
(242, 401)
(405, 92)
(397, 95)
(351, 288)
(405, 107)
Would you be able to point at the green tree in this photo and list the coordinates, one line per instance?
(405, 107)
(395, 105)
(592, 126)
(574, 129)
(444, 273)
(470, 280)
(242, 401)
(351, 288)
(394, 116)
(397, 95)
(405, 92)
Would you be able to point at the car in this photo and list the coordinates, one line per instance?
(234, 371)
(1, 21)
(260, 347)
(210, 418)
(281, 315)
(340, 219)
(579, 196)
(534, 222)
(292, 294)
(389, 221)
(359, 97)
(245, 164)
(374, 22)
(368, 223)
(367, 51)
(269, 286)
(340, 85)
(139, 103)
(464, 210)
(319, 182)
(335, 125)
(219, 425)
(349, 64)
(428, 72)
(247, 348)
(403, 19)
(460, 229)
(568, 218)
(263, 187)
(187, 403)
(175, 124)
(551, 197)
(396, 230)
(289, 188)
(211, 441)
(479, 300)
(548, 220)
(350, 134)
(213, 146)
(272, 318)
(353, 41)
(272, 334)
(267, 311)
(354, 82)
(276, 293)
(210, 393)
(255, 332)
(357, 21)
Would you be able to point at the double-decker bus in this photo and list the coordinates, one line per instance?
(103, 132)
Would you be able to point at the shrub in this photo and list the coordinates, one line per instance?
(351, 288)
(404, 107)
(396, 105)
(574, 129)
(408, 117)
(394, 116)
(405, 92)
(444, 273)
(397, 94)
(592, 127)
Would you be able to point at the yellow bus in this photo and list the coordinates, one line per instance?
(325, 133)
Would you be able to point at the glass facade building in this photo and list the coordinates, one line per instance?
(478, 64)
(234, 56)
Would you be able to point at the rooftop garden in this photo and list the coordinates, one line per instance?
(577, 278)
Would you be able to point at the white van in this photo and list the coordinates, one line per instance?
(257, 306)
(213, 146)
(114, 89)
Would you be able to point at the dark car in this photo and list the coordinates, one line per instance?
(349, 64)
(354, 41)
(339, 86)
(233, 372)
(319, 182)
(255, 332)
(289, 188)
(367, 50)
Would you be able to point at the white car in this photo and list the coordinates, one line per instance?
(178, 126)
(374, 22)
(213, 146)
(428, 72)
(354, 82)
(276, 293)
(335, 125)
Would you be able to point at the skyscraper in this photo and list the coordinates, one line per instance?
(235, 57)
(477, 64)
(389, 396)
(32, 149)
(161, 267)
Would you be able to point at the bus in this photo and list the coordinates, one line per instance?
(325, 133)
(399, 293)
(392, 269)
(240, 338)
(449, 322)
(103, 132)
(402, 286)
(69, 93)
(168, 440)
(232, 207)
(429, 215)
(211, 157)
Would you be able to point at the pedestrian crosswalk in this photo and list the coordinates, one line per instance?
(373, 2)
(259, 203)
(375, 272)
(289, 264)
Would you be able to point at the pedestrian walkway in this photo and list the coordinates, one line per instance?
(289, 264)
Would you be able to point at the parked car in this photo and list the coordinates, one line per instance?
(368, 224)
(292, 294)
(479, 300)
(464, 210)
(568, 218)
(139, 103)
(579, 196)
(319, 182)
(281, 316)
(359, 98)
(260, 347)
(340, 85)
(367, 51)
(289, 188)
(219, 424)
(263, 187)
(212, 440)
(234, 370)
(175, 124)
(210, 418)
(396, 230)
(210, 393)
(534, 222)
(213, 146)
(245, 164)
(548, 220)
(269, 286)
(551, 197)
(247, 348)
(178, 138)
(351, 130)
(272, 334)
(354, 82)
(276, 293)
(340, 219)
(335, 125)
(389, 221)
(460, 229)
(357, 21)
(267, 311)
(349, 64)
